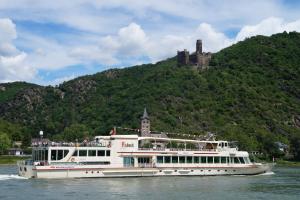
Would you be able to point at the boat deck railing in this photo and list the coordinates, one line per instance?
(177, 149)
(146, 165)
(25, 162)
(69, 144)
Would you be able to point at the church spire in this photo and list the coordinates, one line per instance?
(145, 124)
(145, 115)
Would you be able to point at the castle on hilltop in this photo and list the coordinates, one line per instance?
(199, 59)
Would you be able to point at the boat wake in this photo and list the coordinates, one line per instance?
(266, 174)
(10, 176)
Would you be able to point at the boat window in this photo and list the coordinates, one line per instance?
(160, 159)
(242, 160)
(82, 153)
(236, 160)
(60, 154)
(101, 153)
(37, 155)
(107, 152)
(33, 155)
(246, 160)
(203, 159)
(223, 159)
(40, 155)
(66, 152)
(217, 160)
(189, 159)
(226, 144)
(53, 154)
(174, 159)
(210, 160)
(196, 159)
(75, 153)
(46, 155)
(181, 159)
(143, 160)
(128, 162)
(92, 152)
(167, 159)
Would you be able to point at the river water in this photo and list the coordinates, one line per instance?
(284, 183)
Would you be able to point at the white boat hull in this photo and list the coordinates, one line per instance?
(55, 172)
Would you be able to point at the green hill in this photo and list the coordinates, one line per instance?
(9, 90)
(250, 93)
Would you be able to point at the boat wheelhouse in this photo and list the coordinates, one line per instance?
(131, 155)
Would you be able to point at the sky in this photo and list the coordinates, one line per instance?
(49, 42)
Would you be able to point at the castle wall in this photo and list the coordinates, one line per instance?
(193, 58)
(203, 59)
(183, 57)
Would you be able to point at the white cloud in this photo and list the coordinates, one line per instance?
(8, 30)
(13, 64)
(14, 68)
(268, 27)
(108, 16)
(167, 46)
(132, 40)
(47, 54)
(7, 49)
(212, 39)
(93, 54)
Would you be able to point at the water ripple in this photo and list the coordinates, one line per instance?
(4, 177)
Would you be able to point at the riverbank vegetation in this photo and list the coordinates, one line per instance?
(11, 160)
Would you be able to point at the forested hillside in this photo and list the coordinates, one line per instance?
(250, 93)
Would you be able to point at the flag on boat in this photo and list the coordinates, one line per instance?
(113, 131)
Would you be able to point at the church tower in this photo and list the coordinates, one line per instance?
(145, 124)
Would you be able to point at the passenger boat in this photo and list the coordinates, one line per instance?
(137, 156)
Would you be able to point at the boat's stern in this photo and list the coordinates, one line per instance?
(262, 168)
(26, 169)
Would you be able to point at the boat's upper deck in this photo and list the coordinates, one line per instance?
(134, 142)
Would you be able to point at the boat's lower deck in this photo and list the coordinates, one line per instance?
(94, 172)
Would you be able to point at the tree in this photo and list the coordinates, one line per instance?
(75, 131)
(26, 139)
(295, 147)
(4, 142)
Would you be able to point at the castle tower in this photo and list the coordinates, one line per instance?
(145, 124)
(199, 46)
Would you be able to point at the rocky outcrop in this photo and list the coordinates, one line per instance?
(2, 88)
(27, 99)
(296, 120)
